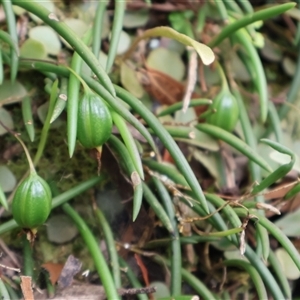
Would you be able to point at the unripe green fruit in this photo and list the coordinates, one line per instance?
(32, 202)
(94, 121)
(226, 111)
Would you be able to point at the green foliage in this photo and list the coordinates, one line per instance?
(165, 156)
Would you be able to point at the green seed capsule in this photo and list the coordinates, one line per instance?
(32, 202)
(226, 111)
(94, 121)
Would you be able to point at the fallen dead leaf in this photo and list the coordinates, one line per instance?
(70, 269)
(54, 271)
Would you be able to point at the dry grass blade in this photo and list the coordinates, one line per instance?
(27, 288)
(192, 78)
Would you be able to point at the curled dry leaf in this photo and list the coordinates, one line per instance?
(265, 206)
(54, 271)
(162, 87)
(70, 269)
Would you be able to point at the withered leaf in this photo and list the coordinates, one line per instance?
(160, 86)
(70, 269)
(54, 271)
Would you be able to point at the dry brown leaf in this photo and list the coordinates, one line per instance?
(144, 270)
(161, 86)
(164, 88)
(70, 269)
(54, 271)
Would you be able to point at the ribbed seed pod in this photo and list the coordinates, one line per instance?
(226, 111)
(94, 125)
(32, 202)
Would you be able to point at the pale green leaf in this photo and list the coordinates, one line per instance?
(167, 62)
(48, 37)
(6, 119)
(33, 49)
(289, 268)
(7, 179)
(206, 54)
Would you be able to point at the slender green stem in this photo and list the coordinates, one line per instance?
(249, 253)
(222, 10)
(111, 248)
(167, 170)
(158, 209)
(12, 29)
(86, 88)
(233, 6)
(168, 142)
(132, 278)
(46, 126)
(73, 94)
(98, 22)
(93, 247)
(250, 138)
(294, 191)
(176, 262)
(248, 19)
(199, 287)
(120, 7)
(193, 239)
(257, 281)
(27, 117)
(129, 142)
(280, 172)
(31, 164)
(227, 211)
(5, 37)
(254, 62)
(177, 106)
(278, 270)
(126, 159)
(246, 5)
(232, 216)
(263, 242)
(50, 288)
(263, 237)
(225, 86)
(277, 233)
(3, 199)
(70, 36)
(28, 262)
(1, 68)
(275, 122)
(292, 96)
(265, 274)
(235, 142)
